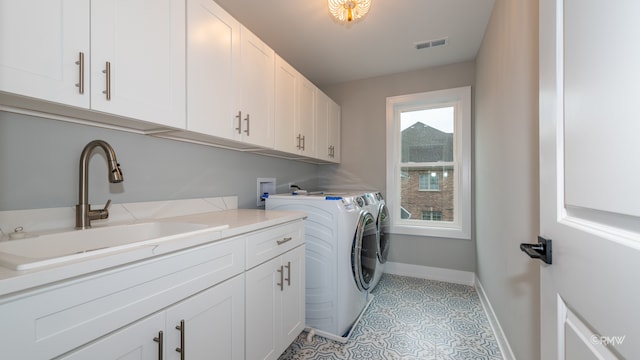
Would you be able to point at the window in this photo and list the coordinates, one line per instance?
(429, 181)
(429, 163)
(432, 215)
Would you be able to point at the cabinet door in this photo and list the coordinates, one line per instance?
(263, 296)
(256, 97)
(285, 96)
(323, 149)
(134, 342)
(293, 298)
(143, 43)
(306, 116)
(333, 133)
(213, 48)
(40, 42)
(212, 323)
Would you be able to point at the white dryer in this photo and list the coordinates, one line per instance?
(381, 213)
(375, 204)
(341, 240)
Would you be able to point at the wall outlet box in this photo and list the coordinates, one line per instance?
(265, 186)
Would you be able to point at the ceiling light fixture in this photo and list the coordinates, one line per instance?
(348, 10)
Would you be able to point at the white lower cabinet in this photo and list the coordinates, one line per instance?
(207, 325)
(275, 304)
(233, 299)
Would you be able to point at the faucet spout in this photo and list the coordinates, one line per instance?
(84, 214)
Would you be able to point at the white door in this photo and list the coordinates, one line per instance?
(213, 53)
(139, 341)
(589, 192)
(293, 297)
(286, 78)
(256, 97)
(211, 324)
(41, 45)
(138, 59)
(264, 287)
(306, 116)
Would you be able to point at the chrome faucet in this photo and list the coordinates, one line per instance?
(84, 214)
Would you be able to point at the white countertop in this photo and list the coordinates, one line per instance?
(239, 221)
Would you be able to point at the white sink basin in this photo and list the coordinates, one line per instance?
(42, 250)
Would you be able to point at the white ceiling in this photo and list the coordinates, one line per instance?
(303, 33)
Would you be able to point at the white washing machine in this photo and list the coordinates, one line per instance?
(341, 240)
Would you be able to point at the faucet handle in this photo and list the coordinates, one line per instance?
(104, 212)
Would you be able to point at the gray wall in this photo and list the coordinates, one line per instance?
(363, 163)
(39, 167)
(506, 170)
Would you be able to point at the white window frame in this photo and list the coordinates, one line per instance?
(460, 98)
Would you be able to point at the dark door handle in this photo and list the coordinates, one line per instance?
(541, 250)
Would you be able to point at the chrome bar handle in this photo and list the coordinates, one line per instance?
(299, 137)
(239, 117)
(288, 266)
(284, 240)
(281, 283)
(330, 151)
(160, 341)
(248, 120)
(80, 63)
(107, 72)
(181, 348)
(304, 143)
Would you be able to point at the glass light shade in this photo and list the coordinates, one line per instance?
(349, 10)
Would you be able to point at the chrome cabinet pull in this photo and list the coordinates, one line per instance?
(299, 137)
(303, 143)
(330, 151)
(107, 72)
(239, 117)
(288, 266)
(160, 341)
(80, 63)
(181, 348)
(280, 242)
(281, 283)
(248, 120)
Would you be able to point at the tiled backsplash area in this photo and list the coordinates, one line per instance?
(56, 219)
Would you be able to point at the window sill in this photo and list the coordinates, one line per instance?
(431, 231)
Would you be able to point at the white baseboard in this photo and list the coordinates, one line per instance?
(505, 348)
(431, 273)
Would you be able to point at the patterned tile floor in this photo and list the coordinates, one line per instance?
(409, 319)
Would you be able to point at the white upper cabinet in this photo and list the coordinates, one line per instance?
(230, 77)
(120, 57)
(306, 117)
(327, 129)
(255, 117)
(286, 85)
(138, 59)
(40, 43)
(213, 50)
(295, 100)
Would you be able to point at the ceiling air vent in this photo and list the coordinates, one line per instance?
(431, 43)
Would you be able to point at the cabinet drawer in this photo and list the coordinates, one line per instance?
(47, 322)
(267, 244)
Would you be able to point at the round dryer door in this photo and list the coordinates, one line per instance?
(383, 223)
(363, 251)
